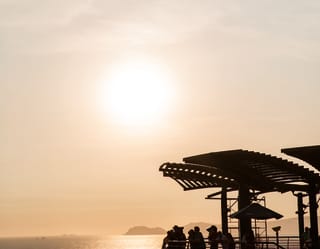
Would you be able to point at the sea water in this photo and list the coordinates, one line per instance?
(84, 242)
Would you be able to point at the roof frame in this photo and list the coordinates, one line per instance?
(259, 171)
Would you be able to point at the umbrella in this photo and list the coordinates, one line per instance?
(256, 211)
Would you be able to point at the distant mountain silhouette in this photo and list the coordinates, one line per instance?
(143, 230)
(289, 226)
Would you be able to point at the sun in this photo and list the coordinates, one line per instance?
(138, 93)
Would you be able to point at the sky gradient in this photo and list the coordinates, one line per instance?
(245, 74)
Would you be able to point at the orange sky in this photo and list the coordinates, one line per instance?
(242, 75)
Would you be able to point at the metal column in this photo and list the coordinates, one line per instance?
(244, 200)
(300, 213)
(313, 206)
(224, 211)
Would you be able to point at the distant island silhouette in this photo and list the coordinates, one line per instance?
(143, 230)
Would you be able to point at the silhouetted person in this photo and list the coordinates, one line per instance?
(179, 237)
(306, 238)
(213, 237)
(231, 243)
(248, 240)
(191, 239)
(168, 240)
(198, 239)
(221, 238)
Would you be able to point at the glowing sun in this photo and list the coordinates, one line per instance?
(138, 93)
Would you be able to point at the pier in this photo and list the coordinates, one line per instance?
(252, 174)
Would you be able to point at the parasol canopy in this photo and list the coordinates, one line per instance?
(256, 211)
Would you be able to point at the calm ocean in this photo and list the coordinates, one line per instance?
(110, 242)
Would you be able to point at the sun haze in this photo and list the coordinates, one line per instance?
(137, 93)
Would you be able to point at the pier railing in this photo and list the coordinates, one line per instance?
(287, 242)
(270, 242)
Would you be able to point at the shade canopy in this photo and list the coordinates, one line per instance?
(256, 211)
(262, 173)
(309, 154)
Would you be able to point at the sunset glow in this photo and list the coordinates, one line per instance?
(96, 95)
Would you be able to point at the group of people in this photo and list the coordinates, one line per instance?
(176, 239)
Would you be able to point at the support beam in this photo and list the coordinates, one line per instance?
(224, 211)
(313, 206)
(300, 213)
(244, 200)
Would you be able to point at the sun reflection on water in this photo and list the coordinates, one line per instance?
(130, 242)
(84, 242)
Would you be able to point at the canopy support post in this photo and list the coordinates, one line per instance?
(313, 206)
(244, 200)
(224, 211)
(300, 213)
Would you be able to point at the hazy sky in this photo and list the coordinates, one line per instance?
(243, 74)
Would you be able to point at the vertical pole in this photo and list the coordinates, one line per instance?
(277, 239)
(313, 218)
(300, 213)
(224, 211)
(244, 200)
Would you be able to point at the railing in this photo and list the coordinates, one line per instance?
(285, 242)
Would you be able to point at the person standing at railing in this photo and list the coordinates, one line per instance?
(248, 240)
(191, 239)
(230, 241)
(199, 238)
(179, 238)
(213, 237)
(196, 239)
(306, 238)
(168, 240)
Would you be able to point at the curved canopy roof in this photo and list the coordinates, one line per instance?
(309, 154)
(229, 169)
